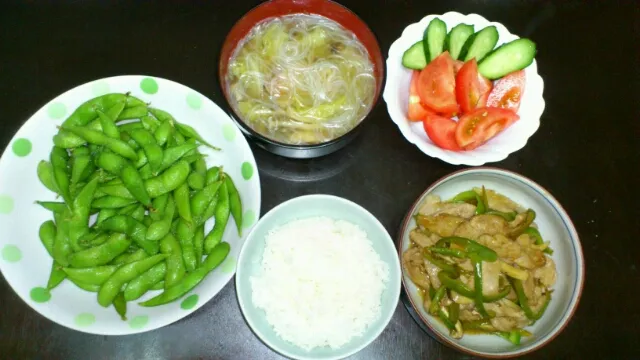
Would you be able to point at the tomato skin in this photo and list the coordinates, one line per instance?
(441, 130)
(472, 89)
(507, 92)
(436, 85)
(416, 112)
(457, 65)
(482, 124)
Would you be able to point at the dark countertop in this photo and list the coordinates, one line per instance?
(586, 153)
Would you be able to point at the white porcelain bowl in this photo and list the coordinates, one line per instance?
(555, 226)
(396, 95)
(249, 265)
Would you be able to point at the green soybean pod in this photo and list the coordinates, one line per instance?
(59, 160)
(200, 167)
(158, 286)
(201, 199)
(196, 181)
(110, 289)
(80, 159)
(62, 244)
(143, 283)
(102, 254)
(135, 112)
(213, 174)
(47, 234)
(214, 237)
(152, 150)
(181, 196)
(86, 112)
(191, 280)
(209, 212)
(53, 206)
(161, 228)
(107, 120)
(235, 203)
(163, 132)
(149, 123)
(142, 159)
(170, 246)
(91, 275)
(130, 257)
(112, 202)
(198, 244)
(56, 276)
(120, 304)
(160, 204)
(138, 213)
(190, 132)
(184, 233)
(86, 287)
(98, 138)
(134, 229)
(46, 177)
(127, 173)
(169, 180)
(118, 190)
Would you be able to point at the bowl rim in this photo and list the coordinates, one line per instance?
(575, 241)
(380, 80)
(242, 257)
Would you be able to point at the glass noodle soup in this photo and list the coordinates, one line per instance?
(301, 79)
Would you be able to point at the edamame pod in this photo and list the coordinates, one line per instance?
(110, 289)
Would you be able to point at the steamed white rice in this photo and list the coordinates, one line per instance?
(321, 282)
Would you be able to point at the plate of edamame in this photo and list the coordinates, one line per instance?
(133, 199)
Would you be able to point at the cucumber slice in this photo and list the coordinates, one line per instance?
(456, 38)
(414, 58)
(480, 44)
(433, 39)
(513, 56)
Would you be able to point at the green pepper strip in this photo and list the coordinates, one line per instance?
(440, 263)
(512, 336)
(433, 309)
(509, 216)
(477, 282)
(459, 287)
(454, 312)
(450, 252)
(524, 302)
(450, 324)
(471, 196)
(432, 292)
(535, 234)
(470, 246)
(478, 325)
(515, 232)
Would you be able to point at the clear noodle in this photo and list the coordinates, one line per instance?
(301, 79)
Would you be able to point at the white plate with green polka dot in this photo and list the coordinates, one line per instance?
(26, 264)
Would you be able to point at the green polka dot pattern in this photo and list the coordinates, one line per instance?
(149, 86)
(247, 170)
(21, 147)
(6, 204)
(189, 302)
(11, 253)
(194, 101)
(56, 110)
(40, 294)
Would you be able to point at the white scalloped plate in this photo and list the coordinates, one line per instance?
(25, 263)
(396, 95)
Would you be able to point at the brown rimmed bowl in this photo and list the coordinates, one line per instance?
(555, 226)
(277, 8)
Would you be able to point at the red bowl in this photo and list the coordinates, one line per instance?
(277, 8)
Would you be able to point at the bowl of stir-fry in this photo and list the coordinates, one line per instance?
(492, 263)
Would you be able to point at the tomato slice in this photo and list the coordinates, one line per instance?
(508, 91)
(441, 130)
(436, 85)
(417, 112)
(457, 65)
(480, 125)
(472, 89)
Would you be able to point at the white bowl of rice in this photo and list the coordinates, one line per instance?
(318, 278)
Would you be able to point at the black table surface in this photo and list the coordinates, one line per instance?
(586, 153)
